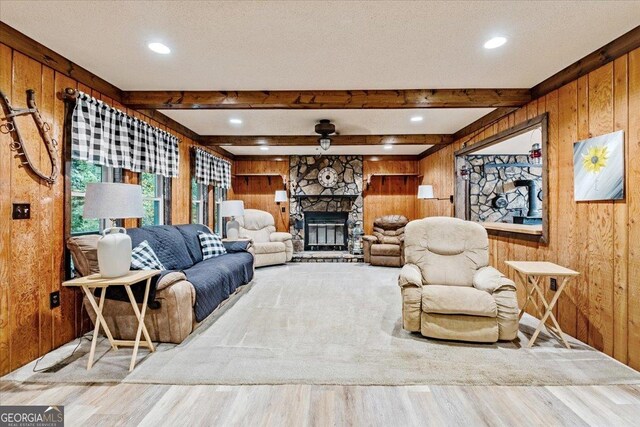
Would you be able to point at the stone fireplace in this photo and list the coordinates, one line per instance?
(337, 190)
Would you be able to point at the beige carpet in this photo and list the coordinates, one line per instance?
(332, 324)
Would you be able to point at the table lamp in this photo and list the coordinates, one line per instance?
(113, 201)
(232, 208)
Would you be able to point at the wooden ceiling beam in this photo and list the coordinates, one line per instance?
(311, 140)
(327, 99)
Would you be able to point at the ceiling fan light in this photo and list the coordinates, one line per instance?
(325, 142)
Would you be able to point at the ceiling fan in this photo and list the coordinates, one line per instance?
(325, 128)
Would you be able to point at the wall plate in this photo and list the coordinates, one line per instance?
(21, 211)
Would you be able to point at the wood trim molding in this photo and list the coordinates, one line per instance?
(31, 48)
(328, 99)
(312, 140)
(596, 59)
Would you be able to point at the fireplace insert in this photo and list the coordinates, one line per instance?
(325, 231)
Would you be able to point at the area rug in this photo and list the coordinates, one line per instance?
(331, 323)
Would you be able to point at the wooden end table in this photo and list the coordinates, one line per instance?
(94, 281)
(531, 274)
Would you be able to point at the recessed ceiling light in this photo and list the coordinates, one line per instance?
(388, 146)
(416, 118)
(235, 121)
(159, 48)
(495, 42)
(264, 148)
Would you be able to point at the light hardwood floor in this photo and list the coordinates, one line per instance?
(302, 405)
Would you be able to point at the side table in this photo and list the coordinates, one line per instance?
(94, 281)
(531, 274)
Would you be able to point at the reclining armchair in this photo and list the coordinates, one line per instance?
(386, 246)
(448, 289)
(270, 247)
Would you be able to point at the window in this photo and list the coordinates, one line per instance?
(152, 198)
(199, 195)
(219, 195)
(83, 173)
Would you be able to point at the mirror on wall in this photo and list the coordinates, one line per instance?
(501, 181)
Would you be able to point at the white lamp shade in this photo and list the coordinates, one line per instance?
(232, 208)
(425, 192)
(281, 196)
(113, 200)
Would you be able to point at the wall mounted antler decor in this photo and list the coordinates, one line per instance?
(18, 144)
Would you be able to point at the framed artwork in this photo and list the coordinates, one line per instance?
(598, 168)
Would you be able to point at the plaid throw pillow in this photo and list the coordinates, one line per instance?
(211, 245)
(144, 258)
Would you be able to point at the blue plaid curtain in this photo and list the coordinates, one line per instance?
(106, 136)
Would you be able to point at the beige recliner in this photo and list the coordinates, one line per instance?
(448, 289)
(270, 247)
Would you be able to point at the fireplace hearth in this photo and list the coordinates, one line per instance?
(325, 231)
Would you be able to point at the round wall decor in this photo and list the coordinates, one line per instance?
(328, 177)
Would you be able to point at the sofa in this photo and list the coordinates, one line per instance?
(182, 296)
(386, 246)
(448, 289)
(271, 247)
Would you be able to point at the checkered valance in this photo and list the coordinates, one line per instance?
(106, 136)
(212, 170)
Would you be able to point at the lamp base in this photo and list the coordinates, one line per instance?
(233, 229)
(114, 252)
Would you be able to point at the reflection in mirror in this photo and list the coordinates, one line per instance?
(500, 180)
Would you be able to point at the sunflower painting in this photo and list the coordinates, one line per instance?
(598, 167)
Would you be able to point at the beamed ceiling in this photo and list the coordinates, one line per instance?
(358, 48)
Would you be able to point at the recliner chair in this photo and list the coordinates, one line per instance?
(386, 246)
(270, 247)
(449, 291)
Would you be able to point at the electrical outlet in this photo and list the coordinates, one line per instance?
(21, 211)
(553, 284)
(54, 299)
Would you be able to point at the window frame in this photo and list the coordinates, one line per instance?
(159, 197)
(108, 174)
(202, 202)
(219, 195)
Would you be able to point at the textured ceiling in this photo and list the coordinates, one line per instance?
(246, 45)
(348, 122)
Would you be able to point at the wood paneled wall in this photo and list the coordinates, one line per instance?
(32, 251)
(258, 192)
(601, 240)
(388, 192)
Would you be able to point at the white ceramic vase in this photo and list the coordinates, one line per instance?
(114, 252)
